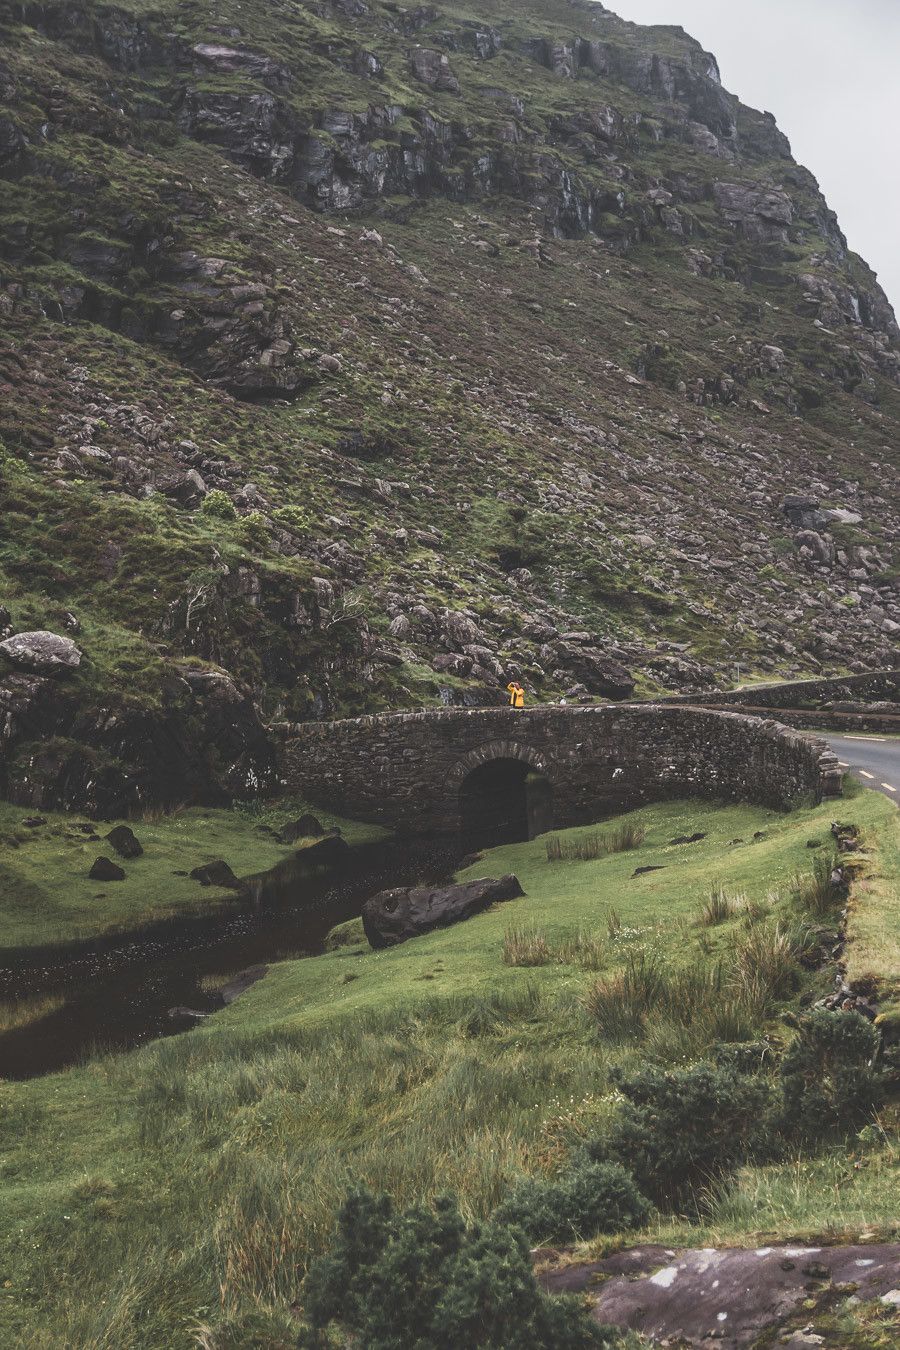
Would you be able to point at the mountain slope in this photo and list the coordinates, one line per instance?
(354, 356)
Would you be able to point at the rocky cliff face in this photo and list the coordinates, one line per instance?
(359, 356)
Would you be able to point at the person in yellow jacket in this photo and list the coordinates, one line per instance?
(516, 694)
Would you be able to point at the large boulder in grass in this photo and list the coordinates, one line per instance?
(41, 652)
(217, 873)
(124, 841)
(306, 826)
(394, 916)
(104, 869)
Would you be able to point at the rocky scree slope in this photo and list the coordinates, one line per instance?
(355, 356)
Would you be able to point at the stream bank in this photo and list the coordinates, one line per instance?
(111, 995)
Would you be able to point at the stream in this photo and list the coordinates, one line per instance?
(118, 993)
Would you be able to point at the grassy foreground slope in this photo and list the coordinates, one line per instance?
(148, 1196)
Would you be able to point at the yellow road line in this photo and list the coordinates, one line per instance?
(865, 774)
(889, 788)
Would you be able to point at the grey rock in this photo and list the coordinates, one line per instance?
(187, 489)
(458, 628)
(42, 652)
(394, 916)
(433, 68)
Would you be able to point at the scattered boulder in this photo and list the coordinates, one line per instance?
(217, 873)
(640, 871)
(104, 869)
(34, 822)
(687, 838)
(394, 916)
(186, 488)
(123, 840)
(42, 652)
(304, 827)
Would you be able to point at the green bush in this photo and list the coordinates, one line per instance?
(828, 1084)
(589, 1198)
(294, 518)
(218, 505)
(678, 1131)
(422, 1278)
(255, 529)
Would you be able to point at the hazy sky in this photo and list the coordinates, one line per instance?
(828, 70)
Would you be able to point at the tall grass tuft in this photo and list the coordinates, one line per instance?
(719, 907)
(589, 847)
(584, 949)
(532, 947)
(813, 891)
(765, 964)
(679, 1013)
(525, 947)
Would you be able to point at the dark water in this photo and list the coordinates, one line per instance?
(120, 995)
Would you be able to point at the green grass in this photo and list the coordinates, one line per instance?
(193, 1178)
(46, 896)
(874, 920)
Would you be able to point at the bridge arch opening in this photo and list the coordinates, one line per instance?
(504, 801)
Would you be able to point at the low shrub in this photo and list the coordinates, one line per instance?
(828, 1083)
(679, 1131)
(218, 506)
(587, 1199)
(421, 1278)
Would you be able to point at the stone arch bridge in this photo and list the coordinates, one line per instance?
(438, 771)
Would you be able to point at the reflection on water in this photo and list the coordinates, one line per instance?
(120, 995)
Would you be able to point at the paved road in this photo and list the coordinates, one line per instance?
(874, 759)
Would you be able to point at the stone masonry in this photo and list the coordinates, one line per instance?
(405, 770)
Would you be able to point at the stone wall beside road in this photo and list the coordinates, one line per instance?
(873, 687)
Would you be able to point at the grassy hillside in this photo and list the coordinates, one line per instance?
(187, 1184)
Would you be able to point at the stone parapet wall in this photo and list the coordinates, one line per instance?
(873, 687)
(406, 769)
(814, 719)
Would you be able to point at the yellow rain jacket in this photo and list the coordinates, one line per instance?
(516, 695)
